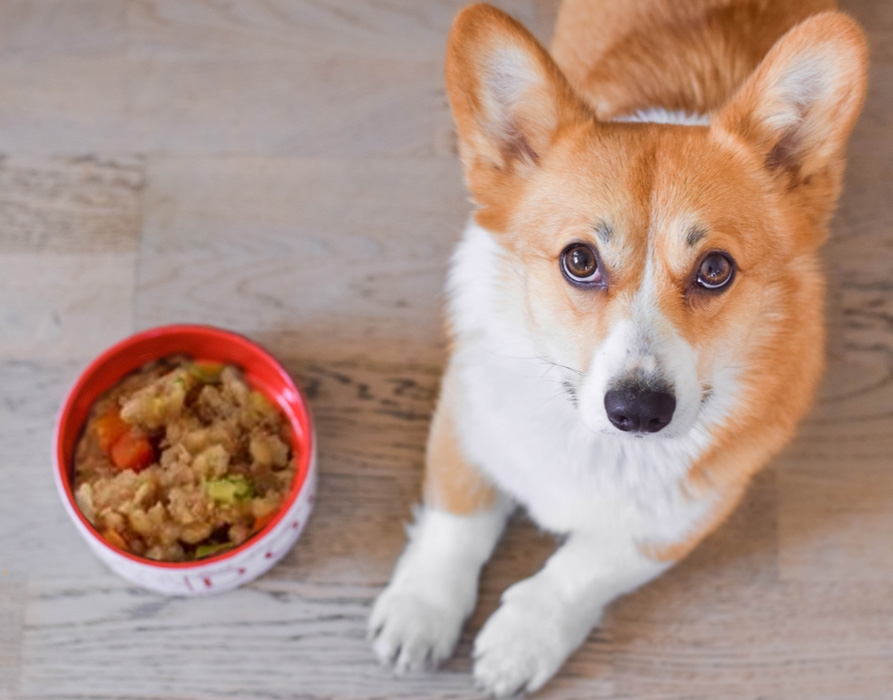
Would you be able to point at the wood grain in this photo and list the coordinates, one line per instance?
(75, 312)
(36, 537)
(342, 256)
(70, 205)
(12, 613)
(782, 641)
(339, 79)
(288, 170)
(69, 230)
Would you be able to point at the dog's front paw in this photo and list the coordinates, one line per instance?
(521, 647)
(515, 652)
(410, 632)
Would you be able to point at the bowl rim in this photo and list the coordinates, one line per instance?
(298, 416)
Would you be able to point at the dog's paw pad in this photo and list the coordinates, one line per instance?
(410, 633)
(516, 651)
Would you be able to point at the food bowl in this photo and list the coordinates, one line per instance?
(253, 557)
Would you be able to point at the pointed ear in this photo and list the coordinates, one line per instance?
(798, 108)
(509, 99)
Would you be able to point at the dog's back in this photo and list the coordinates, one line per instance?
(680, 55)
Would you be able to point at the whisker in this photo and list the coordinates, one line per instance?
(541, 358)
(706, 391)
(551, 399)
(558, 364)
(571, 391)
(514, 357)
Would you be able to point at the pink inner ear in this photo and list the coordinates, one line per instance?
(783, 155)
(800, 104)
(806, 93)
(515, 146)
(511, 82)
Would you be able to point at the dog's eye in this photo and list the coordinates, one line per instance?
(715, 271)
(579, 264)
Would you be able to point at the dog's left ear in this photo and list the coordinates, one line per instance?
(509, 99)
(799, 106)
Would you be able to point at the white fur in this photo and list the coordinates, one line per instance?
(658, 115)
(545, 617)
(417, 619)
(510, 76)
(809, 80)
(607, 491)
(648, 343)
(531, 441)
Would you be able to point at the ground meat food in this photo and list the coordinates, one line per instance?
(182, 460)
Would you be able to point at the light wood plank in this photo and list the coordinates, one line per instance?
(723, 625)
(325, 258)
(340, 79)
(307, 642)
(393, 28)
(68, 239)
(35, 28)
(803, 640)
(37, 539)
(84, 306)
(70, 205)
(12, 613)
(64, 105)
(835, 482)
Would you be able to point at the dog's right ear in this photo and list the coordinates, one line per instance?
(509, 99)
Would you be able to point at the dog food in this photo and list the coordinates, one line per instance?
(182, 460)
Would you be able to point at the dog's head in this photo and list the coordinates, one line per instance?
(674, 267)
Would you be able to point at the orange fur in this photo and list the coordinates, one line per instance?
(494, 167)
(681, 381)
(452, 484)
(545, 169)
(678, 54)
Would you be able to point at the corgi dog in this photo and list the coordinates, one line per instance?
(635, 307)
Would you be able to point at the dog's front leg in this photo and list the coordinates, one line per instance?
(544, 618)
(416, 621)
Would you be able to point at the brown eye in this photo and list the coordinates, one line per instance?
(715, 271)
(579, 264)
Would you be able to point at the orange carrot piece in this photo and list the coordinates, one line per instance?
(109, 428)
(263, 521)
(132, 451)
(114, 539)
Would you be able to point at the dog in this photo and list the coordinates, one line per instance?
(635, 307)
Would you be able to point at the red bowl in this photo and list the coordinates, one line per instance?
(264, 373)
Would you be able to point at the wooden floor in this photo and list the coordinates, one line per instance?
(288, 170)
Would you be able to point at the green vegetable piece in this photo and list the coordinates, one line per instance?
(260, 403)
(229, 489)
(206, 372)
(207, 550)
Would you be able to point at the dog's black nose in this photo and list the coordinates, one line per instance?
(639, 409)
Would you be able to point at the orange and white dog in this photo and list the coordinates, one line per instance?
(636, 306)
